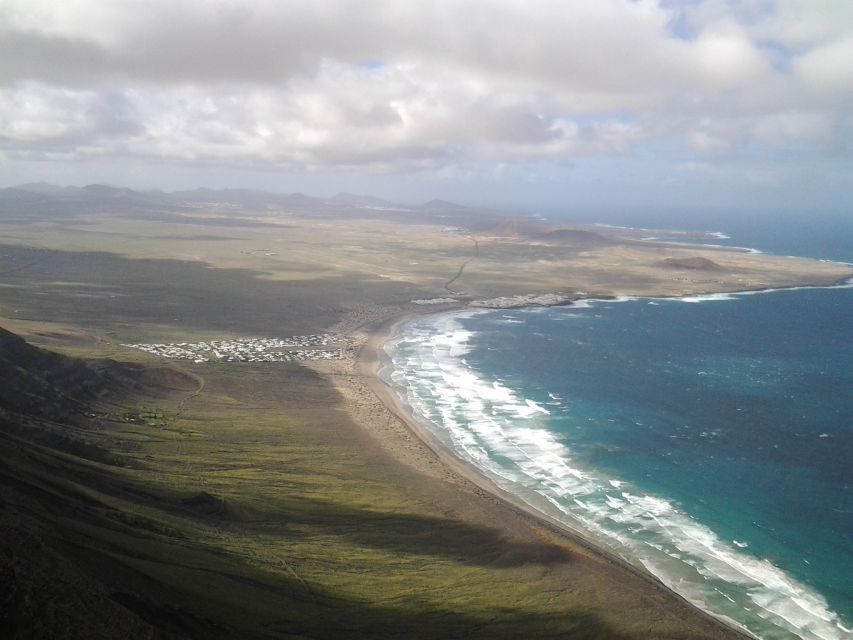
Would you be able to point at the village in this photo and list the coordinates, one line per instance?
(292, 349)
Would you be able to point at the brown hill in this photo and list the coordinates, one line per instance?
(696, 262)
(576, 237)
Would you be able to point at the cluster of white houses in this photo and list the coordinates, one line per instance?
(292, 349)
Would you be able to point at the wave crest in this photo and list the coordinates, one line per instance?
(504, 434)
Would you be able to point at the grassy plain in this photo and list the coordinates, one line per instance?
(294, 273)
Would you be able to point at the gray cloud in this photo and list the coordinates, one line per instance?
(418, 85)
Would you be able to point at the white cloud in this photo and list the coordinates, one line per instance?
(419, 85)
(40, 113)
(827, 68)
(802, 24)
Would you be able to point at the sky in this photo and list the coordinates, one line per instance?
(536, 104)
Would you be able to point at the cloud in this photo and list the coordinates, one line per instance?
(801, 24)
(609, 47)
(417, 86)
(826, 69)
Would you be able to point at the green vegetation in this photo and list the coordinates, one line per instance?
(249, 506)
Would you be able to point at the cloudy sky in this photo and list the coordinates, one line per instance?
(536, 103)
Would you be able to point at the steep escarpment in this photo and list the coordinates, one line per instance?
(56, 483)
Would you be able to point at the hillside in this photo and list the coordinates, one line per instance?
(137, 502)
(42, 383)
(55, 479)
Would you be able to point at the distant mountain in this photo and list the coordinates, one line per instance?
(41, 200)
(12, 195)
(356, 200)
(250, 198)
(442, 205)
(254, 198)
(47, 189)
(44, 201)
(298, 200)
(106, 191)
(241, 197)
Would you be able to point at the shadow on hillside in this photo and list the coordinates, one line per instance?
(422, 535)
(74, 567)
(57, 583)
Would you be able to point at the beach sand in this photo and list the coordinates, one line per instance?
(464, 493)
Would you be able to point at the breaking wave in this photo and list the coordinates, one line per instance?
(505, 435)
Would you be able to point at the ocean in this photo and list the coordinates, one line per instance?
(707, 439)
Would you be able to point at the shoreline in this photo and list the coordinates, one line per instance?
(368, 363)
(528, 301)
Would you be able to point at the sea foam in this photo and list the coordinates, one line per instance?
(505, 435)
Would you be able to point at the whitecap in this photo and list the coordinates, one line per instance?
(492, 426)
(708, 297)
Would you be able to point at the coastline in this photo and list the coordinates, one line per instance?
(367, 365)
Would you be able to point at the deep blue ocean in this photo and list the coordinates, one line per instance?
(709, 440)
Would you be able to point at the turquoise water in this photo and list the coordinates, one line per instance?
(708, 440)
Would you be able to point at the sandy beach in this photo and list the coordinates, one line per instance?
(378, 410)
